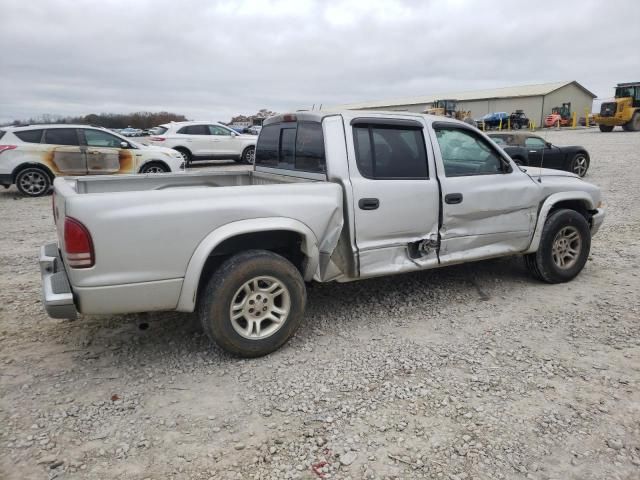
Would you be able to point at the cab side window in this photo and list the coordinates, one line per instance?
(61, 136)
(194, 130)
(533, 142)
(96, 138)
(390, 151)
(216, 130)
(465, 153)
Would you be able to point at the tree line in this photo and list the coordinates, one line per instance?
(141, 120)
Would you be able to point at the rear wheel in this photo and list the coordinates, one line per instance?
(634, 124)
(564, 247)
(249, 155)
(33, 182)
(186, 155)
(580, 164)
(154, 167)
(253, 303)
(605, 128)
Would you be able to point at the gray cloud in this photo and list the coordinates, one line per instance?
(210, 60)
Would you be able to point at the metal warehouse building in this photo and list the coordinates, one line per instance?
(536, 100)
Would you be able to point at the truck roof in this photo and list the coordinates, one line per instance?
(319, 115)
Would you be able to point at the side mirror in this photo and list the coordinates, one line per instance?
(548, 145)
(124, 145)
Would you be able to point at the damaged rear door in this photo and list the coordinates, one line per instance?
(489, 208)
(396, 197)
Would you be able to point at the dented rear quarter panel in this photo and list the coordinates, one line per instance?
(150, 237)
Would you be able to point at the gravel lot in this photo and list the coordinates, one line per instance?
(470, 372)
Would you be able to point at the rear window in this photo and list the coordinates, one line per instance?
(29, 136)
(292, 146)
(61, 136)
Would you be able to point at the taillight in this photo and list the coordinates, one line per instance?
(4, 148)
(78, 244)
(157, 139)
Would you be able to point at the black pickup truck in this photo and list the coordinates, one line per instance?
(529, 149)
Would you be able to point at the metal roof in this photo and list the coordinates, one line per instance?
(504, 92)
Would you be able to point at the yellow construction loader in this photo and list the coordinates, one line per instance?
(624, 111)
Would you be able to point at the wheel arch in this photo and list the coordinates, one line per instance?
(153, 160)
(581, 202)
(275, 232)
(24, 166)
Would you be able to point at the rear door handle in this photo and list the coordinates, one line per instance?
(368, 203)
(453, 198)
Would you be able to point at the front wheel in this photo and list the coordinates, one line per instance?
(564, 247)
(154, 167)
(249, 155)
(579, 164)
(606, 128)
(253, 303)
(33, 182)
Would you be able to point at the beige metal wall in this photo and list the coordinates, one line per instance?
(569, 93)
(535, 107)
(532, 106)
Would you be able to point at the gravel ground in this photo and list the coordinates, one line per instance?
(470, 372)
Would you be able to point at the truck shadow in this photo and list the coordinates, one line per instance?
(331, 307)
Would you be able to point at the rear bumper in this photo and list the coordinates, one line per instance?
(57, 295)
(6, 179)
(596, 220)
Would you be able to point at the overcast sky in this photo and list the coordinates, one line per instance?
(211, 60)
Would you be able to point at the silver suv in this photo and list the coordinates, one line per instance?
(206, 140)
(31, 156)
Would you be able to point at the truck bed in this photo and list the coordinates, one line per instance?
(131, 183)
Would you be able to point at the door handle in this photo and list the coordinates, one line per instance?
(368, 203)
(453, 198)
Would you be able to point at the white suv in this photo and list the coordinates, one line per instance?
(206, 140)
(31, 156)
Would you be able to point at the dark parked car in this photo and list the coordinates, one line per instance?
(529, 149)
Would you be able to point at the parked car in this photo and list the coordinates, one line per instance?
(332, 197)
(206, 140)
(131, 132)
(31, 156)
(255, 129)
(516, 120)
(533, 150)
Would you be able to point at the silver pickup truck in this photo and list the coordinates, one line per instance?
(332, 196)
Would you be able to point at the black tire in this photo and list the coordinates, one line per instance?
(542, 264)
(633, 125)
(154, 167)
(516, 126)
(33, 182)
(225, 288)
(186, 155)
(606, 128)
(579, 164)
(249, 155)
